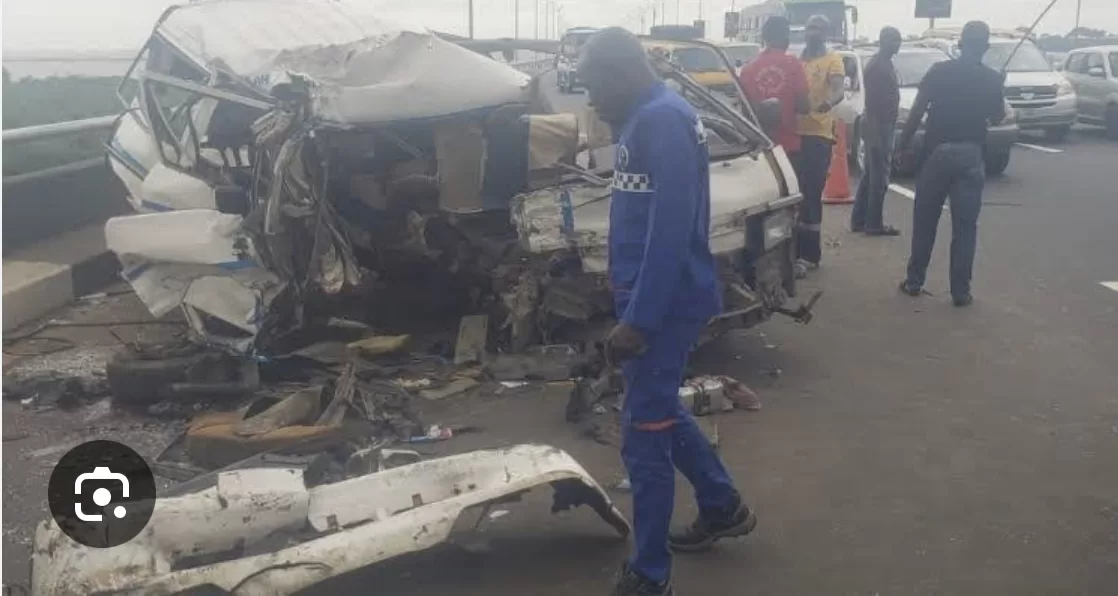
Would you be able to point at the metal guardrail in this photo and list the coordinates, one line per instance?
(51, 200)
(58, 129)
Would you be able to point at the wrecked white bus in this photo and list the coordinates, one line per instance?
(322, 163)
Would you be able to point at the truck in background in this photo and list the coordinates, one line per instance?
(843, 18)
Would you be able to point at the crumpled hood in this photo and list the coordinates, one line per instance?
(362, 69)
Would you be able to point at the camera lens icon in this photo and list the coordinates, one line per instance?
(103, 496)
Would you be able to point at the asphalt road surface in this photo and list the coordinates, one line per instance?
(905, 446)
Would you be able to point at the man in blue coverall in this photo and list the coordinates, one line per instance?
(665, 291)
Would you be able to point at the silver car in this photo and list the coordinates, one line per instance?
(1094, 73)
(1044, 99)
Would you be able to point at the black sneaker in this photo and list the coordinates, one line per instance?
(632, 583)
(963, 299)
(910, 289)
(701, 535)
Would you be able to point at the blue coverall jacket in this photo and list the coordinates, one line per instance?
(660, 265)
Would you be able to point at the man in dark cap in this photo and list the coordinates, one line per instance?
(963, 96)
(883, 97)
(665, 291)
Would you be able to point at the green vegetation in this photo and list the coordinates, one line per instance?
(30, 102)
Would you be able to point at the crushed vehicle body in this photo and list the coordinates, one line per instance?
(263, 531)
(324, 163)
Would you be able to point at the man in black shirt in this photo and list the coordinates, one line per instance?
(962, 96)
(883, 96)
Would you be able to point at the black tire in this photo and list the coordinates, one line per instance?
(1112, 122)
(135, 381)
(997, 163)
(1058, 134)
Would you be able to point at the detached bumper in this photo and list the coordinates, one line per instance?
(1048, 114)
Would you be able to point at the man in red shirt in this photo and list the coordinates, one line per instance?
(776, 74)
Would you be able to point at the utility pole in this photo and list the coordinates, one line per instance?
(471, 9)
(516, 19)
(676, 12)
(1078, 11)
(536, 18)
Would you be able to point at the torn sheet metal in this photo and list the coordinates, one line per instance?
(577, 217)
(199, 236)
(365, 70)
(355, 523)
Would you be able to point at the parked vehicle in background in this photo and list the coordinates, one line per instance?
(1057, 59)
(703, 61)
(912, 63)
(1094, 74)
(1042, 97)
(843, 18)
(740, 53)
(853, 107)
(566, 61)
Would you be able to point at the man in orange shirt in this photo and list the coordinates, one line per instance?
(776, 74)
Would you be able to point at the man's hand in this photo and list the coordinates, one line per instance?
(624, 342)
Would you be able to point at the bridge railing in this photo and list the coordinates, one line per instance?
(51, 200)
(47, 201)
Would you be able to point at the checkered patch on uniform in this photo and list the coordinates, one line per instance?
(632, 182)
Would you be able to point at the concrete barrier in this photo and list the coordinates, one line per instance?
(53, 238)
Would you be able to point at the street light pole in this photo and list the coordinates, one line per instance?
(471, 9)
(676, 12)
(536, 18)
(1078, 11)
(516, 19)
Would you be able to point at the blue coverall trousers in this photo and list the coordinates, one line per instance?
(659, 435)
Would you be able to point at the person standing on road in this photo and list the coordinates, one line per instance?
(962, 97)
(826, 76)
(665, 290)
(774, 74)
(883, 98)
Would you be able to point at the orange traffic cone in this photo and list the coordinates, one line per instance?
(837, 191)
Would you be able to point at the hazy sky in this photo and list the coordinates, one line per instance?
(124, 24)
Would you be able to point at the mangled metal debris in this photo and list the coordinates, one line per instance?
(225, 537)
(361, 170)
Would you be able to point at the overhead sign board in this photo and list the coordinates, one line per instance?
(933, 9)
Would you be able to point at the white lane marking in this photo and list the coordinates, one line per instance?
(908, 193)
(904, 192)
(1113, 285)
(1039, 148)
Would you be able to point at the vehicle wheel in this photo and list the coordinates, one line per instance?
(1058, 134)
(1112, 123)
(997, 163)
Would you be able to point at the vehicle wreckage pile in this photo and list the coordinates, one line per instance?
(350, 216)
